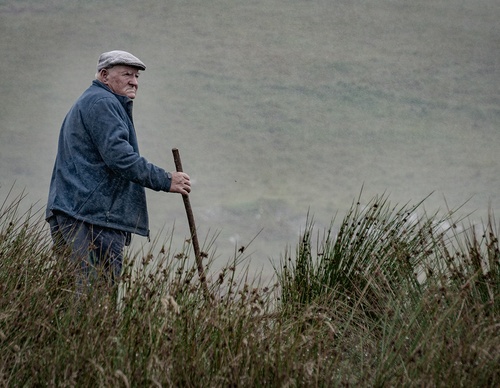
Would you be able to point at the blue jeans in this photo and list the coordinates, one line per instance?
(96, 250)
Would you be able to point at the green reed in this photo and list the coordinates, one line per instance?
(391, 297)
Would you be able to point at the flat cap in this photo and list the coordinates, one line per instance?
(117, 57)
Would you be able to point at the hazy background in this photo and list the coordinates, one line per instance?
(278, 107)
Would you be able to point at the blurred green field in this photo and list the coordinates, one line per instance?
(278, 107)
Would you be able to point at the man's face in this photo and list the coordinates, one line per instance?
(122, 80)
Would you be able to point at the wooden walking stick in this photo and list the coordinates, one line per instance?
(192, 227)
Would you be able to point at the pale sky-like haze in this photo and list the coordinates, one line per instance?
(279, 108)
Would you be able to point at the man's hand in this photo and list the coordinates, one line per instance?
(180, 183)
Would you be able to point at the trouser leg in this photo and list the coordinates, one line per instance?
(108, 253)
(97, 251)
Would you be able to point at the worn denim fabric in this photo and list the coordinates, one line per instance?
(99, 176)
(97, 251)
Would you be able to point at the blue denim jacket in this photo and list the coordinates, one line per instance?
(99, 176)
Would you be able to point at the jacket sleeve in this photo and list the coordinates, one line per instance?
(114, 137)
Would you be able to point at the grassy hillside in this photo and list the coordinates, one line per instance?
(277, 106)
(390, 300)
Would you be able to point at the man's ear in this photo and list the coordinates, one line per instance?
(104, 75)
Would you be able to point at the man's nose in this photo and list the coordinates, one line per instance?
(134, 81)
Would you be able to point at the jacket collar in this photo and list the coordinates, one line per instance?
(126, 102)
(123, 99)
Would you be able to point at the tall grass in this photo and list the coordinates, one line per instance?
(418, 295)
(392, 298)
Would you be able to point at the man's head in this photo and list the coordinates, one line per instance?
(119, 70)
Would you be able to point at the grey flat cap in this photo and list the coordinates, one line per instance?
(117, 57)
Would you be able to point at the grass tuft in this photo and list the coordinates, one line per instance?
(393, 297)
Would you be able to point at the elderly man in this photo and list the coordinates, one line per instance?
(97, 197)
